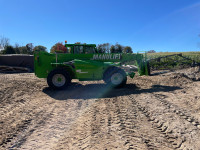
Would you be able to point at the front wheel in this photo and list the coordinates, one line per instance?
(115, 77)
(58, 79)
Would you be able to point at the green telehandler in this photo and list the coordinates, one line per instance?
(85, 63)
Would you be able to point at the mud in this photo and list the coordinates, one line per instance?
(151, 112)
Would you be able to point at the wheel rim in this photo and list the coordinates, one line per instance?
(58, 80)
(117, 78)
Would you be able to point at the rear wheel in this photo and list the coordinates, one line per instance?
(58, 79)
(115, 77)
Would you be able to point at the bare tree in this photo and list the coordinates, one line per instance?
(4, 41)
(29, 48)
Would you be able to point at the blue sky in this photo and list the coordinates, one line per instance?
(161, 25)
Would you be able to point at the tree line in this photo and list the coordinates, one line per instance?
(101, 48)
(59, 47)
(117, 48)
(17, 49)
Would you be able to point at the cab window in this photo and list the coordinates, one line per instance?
(69, 49)
(78, 49)
(89, 50)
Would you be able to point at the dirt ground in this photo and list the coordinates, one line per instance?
(151, 112)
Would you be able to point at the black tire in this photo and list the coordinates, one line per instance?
(111, 74)
(58, 79)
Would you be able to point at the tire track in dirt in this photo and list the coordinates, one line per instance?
(13, 124)
(136, 130)
(28, 128)
(15, 97)
(78, 135)
(93, 129)
(113, 123)
(184, 114)
(62, 118)
(146, 120)
(177, 130)
(21, 126)
(160, 126)
(40, 128)
(104, 133)
(126, 123)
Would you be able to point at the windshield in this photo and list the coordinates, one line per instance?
(89, 50)
(78, 49)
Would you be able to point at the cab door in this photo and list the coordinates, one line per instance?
(88, 69)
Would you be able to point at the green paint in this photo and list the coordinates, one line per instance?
(83, 62)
